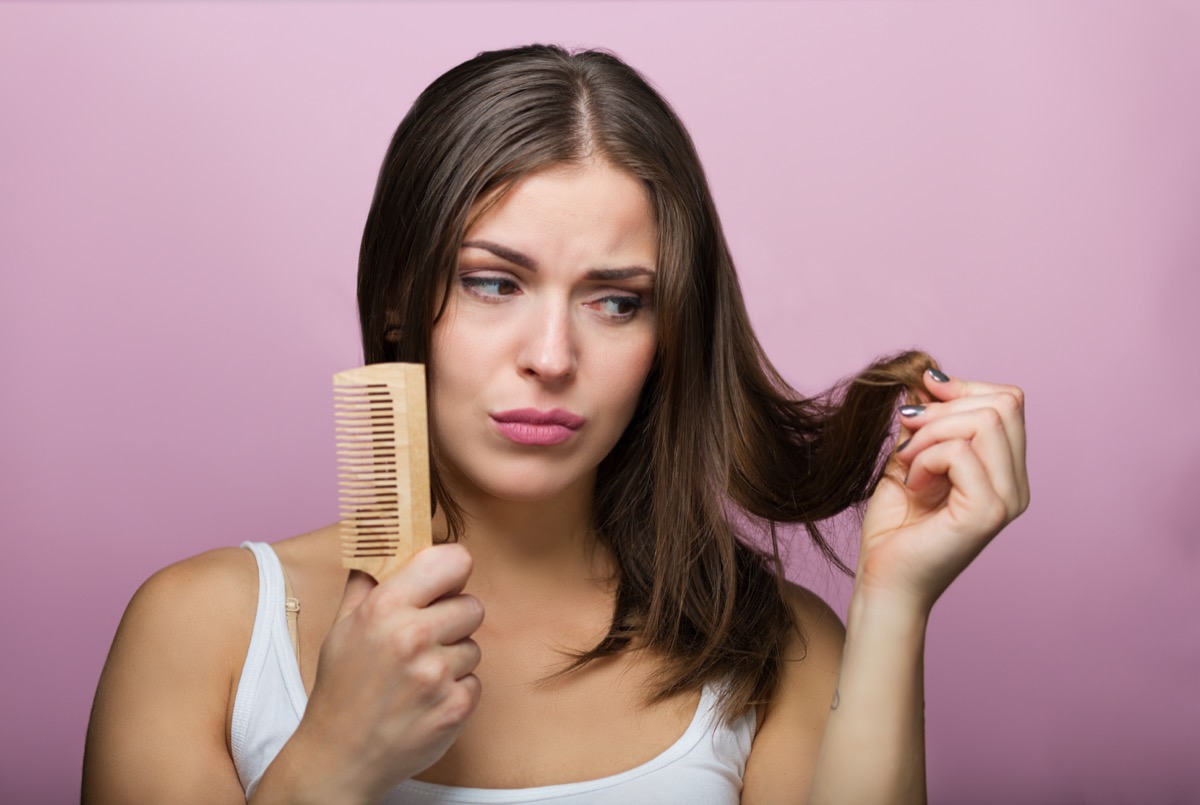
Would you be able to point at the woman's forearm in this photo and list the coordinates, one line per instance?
(873, 750)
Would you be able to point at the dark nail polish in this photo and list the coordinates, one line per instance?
(912, 410)
(938, 376)
(903, 444)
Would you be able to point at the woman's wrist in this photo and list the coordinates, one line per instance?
(898, 613)
(298, 776)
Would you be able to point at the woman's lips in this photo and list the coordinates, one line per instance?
(531, 426)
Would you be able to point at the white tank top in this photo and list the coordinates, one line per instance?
(705, 765)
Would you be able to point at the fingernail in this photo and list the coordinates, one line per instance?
(903, 444)
(912, 410)
(938, 376)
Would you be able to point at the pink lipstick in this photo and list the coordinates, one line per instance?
(531, 426)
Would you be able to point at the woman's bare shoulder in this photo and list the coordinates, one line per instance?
(157, 730)
(823, 630)
(197, 614)
(220, 586)
(217, 585)
(789, 737)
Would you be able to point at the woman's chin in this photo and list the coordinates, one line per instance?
(518, 487)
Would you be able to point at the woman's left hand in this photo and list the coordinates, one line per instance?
(947, 492)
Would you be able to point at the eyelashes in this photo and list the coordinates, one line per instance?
(617, 307)
(489, 286)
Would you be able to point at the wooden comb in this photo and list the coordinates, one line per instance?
(383, 465)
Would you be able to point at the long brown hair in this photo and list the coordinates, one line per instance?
(716, 426)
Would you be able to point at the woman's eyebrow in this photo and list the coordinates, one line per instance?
(618, 273)
(504, 253)
(528, 263)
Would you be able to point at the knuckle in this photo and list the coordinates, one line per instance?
(382, 601)
(476, 610)
(992, 418)
(476, 653)
(372, 606)
(1012, 400)
(428, 673)
(459, 704)
(413, 639)
(997, 512)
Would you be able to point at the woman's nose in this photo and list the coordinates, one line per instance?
(549, 351)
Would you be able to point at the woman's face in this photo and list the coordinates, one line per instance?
(548, 335)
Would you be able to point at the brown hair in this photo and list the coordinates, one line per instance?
(716, 426)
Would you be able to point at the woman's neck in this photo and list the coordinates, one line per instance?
(539, 546)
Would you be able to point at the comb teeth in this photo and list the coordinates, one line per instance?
(382, 459)
(368, 496)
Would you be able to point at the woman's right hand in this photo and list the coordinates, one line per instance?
(394, 684)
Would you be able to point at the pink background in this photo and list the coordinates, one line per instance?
(1013, 186)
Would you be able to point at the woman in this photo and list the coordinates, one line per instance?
(543, 238)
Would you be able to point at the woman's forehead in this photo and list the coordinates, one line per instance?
(564, 210)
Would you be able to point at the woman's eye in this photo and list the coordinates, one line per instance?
(489, 286)
(620, 307)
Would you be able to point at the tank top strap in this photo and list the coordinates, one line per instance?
(270, 656)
